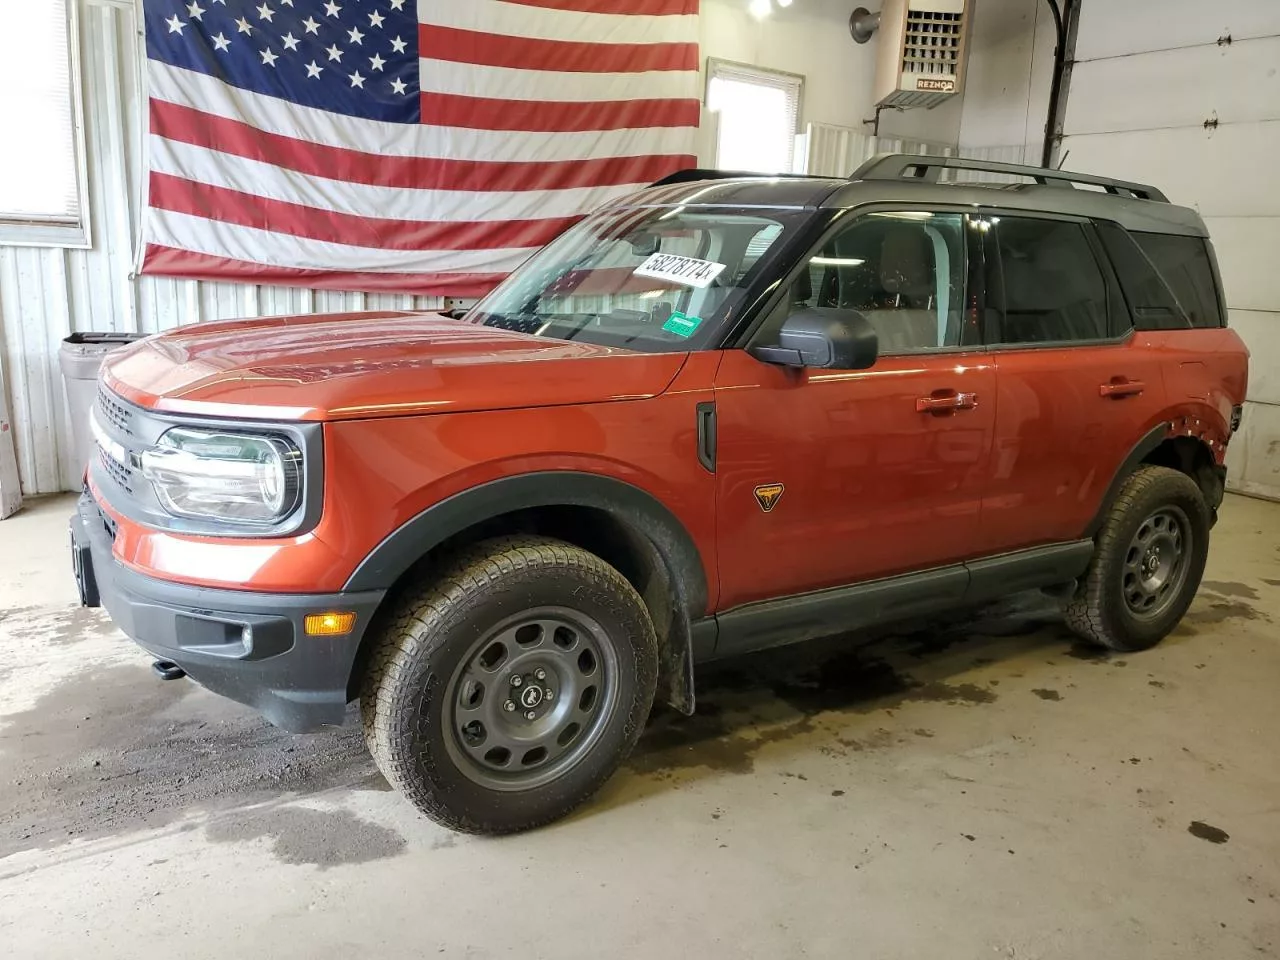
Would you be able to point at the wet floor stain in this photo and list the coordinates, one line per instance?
(319, 838)
(114, 749)
(1088, 653)
(1045, 694)
(1221, 611)
(1208, 832)
(759, 700)
(1230, 588)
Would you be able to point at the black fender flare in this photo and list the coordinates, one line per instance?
(639, 510)
(643, 514)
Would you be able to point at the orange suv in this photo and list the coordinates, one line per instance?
(725, 413)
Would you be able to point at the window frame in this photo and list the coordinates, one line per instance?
(750, 73)
(973, 295)
(55, 231)
(1119, 320)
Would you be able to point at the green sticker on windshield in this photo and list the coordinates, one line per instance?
(681, 325)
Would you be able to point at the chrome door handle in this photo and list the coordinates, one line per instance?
(946, 401)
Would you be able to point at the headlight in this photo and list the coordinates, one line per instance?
(225, 476)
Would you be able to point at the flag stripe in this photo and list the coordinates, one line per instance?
(485, 114)
(387, 142)
(267, 179)
(240, 139)
(539, 22)
(168, 261)
(563, 56)
(248, 210)
(521, 86)
(237, 242)
(644, 8)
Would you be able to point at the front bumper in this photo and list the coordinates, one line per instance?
(250, 647)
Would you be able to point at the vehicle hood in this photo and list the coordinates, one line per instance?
(351, 366)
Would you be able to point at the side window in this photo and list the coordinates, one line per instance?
(1053, 290)
(904, 272)
(1184, 264)
(1152, 304)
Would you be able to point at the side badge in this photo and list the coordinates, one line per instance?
(768, 495)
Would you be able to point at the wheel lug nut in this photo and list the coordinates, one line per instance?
(509, 706)
(516, 681)
(529, 715)
(551, 695)
(540, 674)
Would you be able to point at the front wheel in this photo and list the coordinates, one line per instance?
(506, 691)
(1147, 565)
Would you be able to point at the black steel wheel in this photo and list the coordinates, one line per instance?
(502, 693)
(531, 698)
(1147, 564)
(1155, 565)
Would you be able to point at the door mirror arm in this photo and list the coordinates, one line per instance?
(827, 338)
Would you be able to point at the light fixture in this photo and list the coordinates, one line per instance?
(784, 3)
(760, 8)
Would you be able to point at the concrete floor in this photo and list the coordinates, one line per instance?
(967, 789)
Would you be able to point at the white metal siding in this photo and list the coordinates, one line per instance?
(46, 294)
(1150, 80)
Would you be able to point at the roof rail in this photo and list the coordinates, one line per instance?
(694, 174)
(900, 166)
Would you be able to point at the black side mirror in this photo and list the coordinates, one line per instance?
(825, 337)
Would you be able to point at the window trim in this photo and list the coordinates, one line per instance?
(62, 232)
(744, 332)
(992, 326)
(747, 72)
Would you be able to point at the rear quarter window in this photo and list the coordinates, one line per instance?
(1185, 265)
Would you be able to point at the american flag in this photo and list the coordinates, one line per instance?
(425, 146)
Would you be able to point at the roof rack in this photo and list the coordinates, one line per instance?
(900, 166)
(694, 174)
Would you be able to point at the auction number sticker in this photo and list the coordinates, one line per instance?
(684, 270)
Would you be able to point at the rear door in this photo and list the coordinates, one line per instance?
(1077, 388)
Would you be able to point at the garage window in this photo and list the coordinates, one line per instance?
(757, 111)
(41, 184)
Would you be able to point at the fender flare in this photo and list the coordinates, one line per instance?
(639, 510)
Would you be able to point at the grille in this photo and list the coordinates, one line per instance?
(932, 44)
(119, 473)
(117, 414)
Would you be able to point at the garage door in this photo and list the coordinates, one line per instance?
(1186, 95)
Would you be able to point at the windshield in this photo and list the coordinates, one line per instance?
(646, 278)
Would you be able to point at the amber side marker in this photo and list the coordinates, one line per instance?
(329, 624)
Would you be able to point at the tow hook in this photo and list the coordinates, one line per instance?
(168, 670)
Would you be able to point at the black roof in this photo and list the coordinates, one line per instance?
(896, 178)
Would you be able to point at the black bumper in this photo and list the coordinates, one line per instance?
(247, 646)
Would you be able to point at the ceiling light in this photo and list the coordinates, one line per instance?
(760, 8)
(784, 3)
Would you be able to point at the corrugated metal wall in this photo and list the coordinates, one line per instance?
(46, 294)
(831, 151)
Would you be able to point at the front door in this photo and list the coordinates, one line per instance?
(831, 477)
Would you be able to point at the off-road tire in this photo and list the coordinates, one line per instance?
(1098, 612)
(431, 631)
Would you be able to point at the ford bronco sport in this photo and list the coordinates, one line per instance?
(725, 413)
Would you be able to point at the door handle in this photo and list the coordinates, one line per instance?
(1121, 387)
(942, 402)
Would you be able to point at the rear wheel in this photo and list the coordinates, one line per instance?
(504, 693)
(1147, 566)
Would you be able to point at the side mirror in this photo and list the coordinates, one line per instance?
(825, 337)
